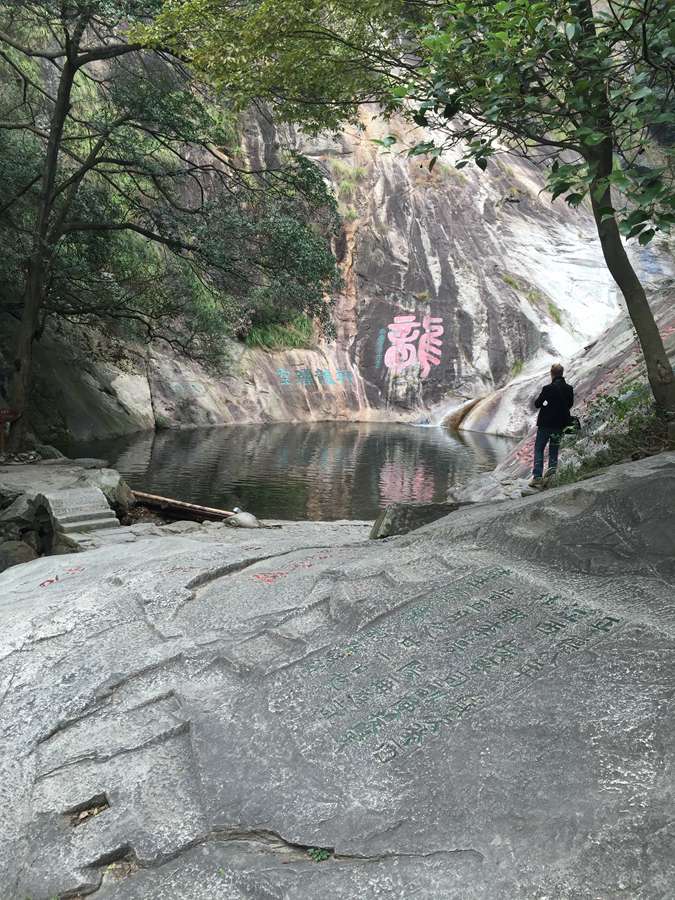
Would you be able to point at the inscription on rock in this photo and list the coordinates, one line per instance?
(424, 668)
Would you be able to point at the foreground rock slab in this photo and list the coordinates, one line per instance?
(480, 709)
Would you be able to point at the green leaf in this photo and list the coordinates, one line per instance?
(388, 141)
(632, 232)
(432, 162)
(451, 109)
(560, 188)
(636, 217)
(574, 199)
(461, 163)
(481, 162)
(422, 148)
(570, 30)
(652, 193)
(646, 236)
(594, 137)
(502, 7)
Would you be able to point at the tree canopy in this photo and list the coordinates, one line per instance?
(126, 200)
(154, 218)
(488, 75)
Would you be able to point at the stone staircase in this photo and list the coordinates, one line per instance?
(80, 523)
(82, 515)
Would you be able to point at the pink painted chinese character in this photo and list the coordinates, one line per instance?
(402, 352)
(429, 347)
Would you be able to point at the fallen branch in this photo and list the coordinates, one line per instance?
(187, 510)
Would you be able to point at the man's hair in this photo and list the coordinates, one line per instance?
(557, 370)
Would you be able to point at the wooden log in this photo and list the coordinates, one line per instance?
(180, 507)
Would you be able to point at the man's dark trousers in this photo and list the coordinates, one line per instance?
(550, 436)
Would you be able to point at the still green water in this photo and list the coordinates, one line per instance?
(327, 471)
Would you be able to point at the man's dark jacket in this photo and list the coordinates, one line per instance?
(560, 399)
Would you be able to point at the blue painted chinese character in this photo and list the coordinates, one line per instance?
(344, 375)
(304, 376)
(284, 376)
(379, 347)
(325, 376)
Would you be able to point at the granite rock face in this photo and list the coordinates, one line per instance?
(481, 709)
(608, 366)
(601, 366)
(490, 277)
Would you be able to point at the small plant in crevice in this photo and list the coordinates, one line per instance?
(617, 427)
(319, 854)
(535, 297)
(346, 173)
(512, 281)
(349, 214)
(346, 191)
(517, 367)
(554, 312)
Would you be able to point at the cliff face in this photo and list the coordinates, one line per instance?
(484, 273)
(454, 282)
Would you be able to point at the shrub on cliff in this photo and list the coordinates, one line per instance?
(618, 427)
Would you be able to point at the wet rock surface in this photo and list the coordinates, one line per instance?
(478, 710)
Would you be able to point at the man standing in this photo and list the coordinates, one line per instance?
(554, 404)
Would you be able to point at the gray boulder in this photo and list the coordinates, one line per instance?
(46, 451)
(19, 516)
(13, 553)
(117, 491)
(400, 518)
(243, 519)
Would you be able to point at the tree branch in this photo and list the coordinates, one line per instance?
(27, 51)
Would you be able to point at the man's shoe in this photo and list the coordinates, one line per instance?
(537, 481)
(549, 473)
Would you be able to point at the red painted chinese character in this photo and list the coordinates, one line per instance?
(429, 347)
(402, 335)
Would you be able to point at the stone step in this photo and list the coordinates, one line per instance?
(93, 539)
(97, 514)
(80, 527)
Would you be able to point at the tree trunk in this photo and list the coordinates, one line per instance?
(39, 264)
(600, 158)
(23, 352)
(659, 369)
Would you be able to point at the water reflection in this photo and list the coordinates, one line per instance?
(330, 470)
